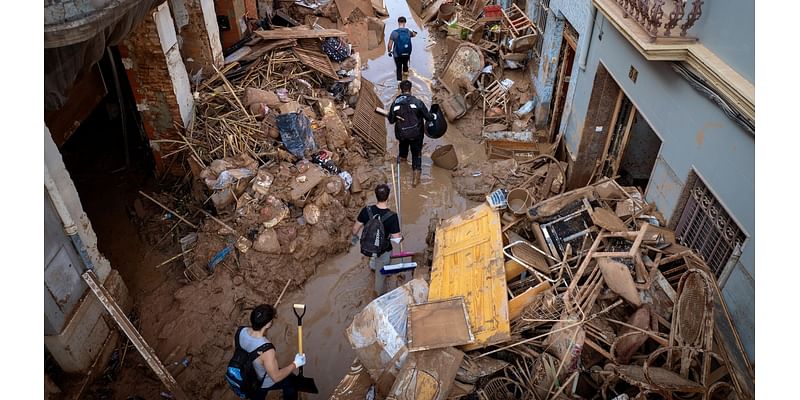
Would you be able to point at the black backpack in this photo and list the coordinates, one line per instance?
(409, 127)
(437, 127)
(373, 237)
(241, 375)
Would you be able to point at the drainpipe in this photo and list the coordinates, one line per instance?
(586, 41)
(66, 219)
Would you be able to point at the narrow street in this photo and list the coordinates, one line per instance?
(595, 239)
(341, 286)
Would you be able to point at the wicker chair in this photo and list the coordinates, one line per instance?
(683, 366)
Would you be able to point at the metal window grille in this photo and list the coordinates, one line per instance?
(706, 227)
(540, 21)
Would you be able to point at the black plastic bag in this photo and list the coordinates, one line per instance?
(436, 128)
(296, 133)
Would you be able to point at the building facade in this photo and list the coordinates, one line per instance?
(665, 101)
(108, 58)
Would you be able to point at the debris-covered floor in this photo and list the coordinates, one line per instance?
(574, 294)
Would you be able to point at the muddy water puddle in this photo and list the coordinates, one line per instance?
(343, 285)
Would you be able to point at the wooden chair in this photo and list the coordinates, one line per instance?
(517, 21)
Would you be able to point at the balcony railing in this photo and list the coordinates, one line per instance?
(663, 19)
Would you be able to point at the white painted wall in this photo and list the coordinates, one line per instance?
(210, 18)
(177, 70)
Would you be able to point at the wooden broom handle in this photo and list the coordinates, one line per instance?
(300, 339)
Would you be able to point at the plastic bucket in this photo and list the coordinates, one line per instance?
(446, 11)
(519, 200)
(445, 157)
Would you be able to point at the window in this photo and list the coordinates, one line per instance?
(706, 227)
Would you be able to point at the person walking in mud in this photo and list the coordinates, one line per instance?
(399, 47)
(379, 227)
(409, 115)
(253, 338)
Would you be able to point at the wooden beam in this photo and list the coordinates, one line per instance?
(133, 335)
(294, 33)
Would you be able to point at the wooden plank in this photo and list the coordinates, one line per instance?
(519, 303)
(133, 335)
(438, 324)
(299, 33)
(476, 273)
(513, 269)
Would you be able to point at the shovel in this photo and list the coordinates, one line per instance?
(305, 385)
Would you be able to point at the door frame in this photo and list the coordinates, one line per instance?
(568, 44)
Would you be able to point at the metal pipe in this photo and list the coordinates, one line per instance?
(66, 219)
(587, 40)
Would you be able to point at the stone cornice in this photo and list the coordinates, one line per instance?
(734, 87)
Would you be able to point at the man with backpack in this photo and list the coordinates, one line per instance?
(399, 47)
(409, 116)
(381, 227)
(253, 371)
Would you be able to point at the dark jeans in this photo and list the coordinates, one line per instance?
(402, 65)
(416, 151)
(287, 385)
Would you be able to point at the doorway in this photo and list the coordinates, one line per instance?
(565, 62)
(631, 148)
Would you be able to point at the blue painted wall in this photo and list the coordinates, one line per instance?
(696, 135)
(727, 27)
(577, 13)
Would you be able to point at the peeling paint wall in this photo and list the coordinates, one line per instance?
(198, 35)
(83, 334)
(158, 79)
(696, 134)
(548, 69)
(578, 14)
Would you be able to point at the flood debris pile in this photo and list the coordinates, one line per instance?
(588, 296)
(274, 169)
(485, 53)
(273, 177)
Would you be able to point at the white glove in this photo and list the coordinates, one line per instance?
(299, 360)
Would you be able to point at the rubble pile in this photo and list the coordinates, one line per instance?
(482, 65)
(271, 155)
(595, 299)
(273, 179)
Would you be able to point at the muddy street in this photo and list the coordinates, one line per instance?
(341, 287)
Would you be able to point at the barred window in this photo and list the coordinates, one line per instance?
(706, 227)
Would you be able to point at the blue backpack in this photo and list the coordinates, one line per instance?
(402, 46)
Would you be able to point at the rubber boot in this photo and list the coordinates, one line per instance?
(417, 176)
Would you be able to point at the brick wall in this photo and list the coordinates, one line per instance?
(196, 39)
(146, 66)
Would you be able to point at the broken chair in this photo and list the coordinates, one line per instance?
(517, 22)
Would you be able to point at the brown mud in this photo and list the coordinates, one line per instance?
(342, 286)
(331, 279)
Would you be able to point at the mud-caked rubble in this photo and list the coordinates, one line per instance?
(598, 300)
(273, 178)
